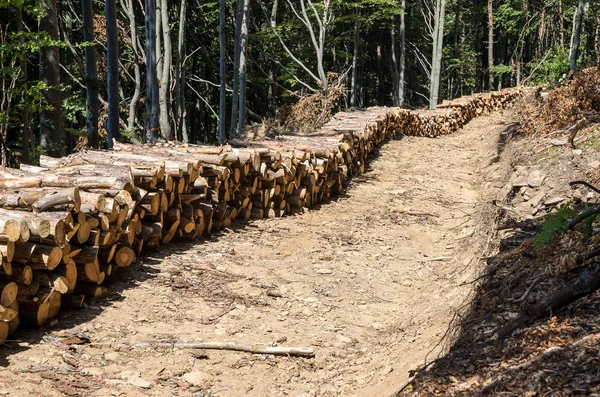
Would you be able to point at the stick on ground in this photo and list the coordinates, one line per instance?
(254, 349)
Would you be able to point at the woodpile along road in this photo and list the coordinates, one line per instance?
(67, 226)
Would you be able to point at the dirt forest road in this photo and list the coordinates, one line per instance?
(370, 281)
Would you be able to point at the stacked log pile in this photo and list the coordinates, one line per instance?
(67, 226)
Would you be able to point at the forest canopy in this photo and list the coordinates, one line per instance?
(78, 74)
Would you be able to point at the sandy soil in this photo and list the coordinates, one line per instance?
(370, 286)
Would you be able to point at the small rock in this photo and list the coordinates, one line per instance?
(520, 181)
(536, 178)
(344, 340)
(577, 195)
(577, 152)
(559, 142)
(328, 388)
(307, 312)
(112, 369)
(523, 208)
(282, 339)
(537, 199)
(589, 196)
(92, 371)
(139, 382)
(197, 378)
(387, 370)
(594, 164)
(112, 356)
(324, 271)
(554, 200)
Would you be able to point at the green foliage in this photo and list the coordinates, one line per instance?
(547, 70)
(500, 70)
(73, 103)
(130, 134)
(555, 224)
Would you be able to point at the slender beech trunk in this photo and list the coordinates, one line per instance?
(91, 74)
(561, 24)
(380, 87)
(164, 90)
(152, 124)
(541, 34)
(53, 138)
(354, 79)
(222, 76)
(436, 59)
(321, 44)
(133, 105)
(236, 68)
(573, 26)
(112, 72)
(158, 21)
(243, 68)
(394, 61)
(26, 136)
(457, 28)
(180, 109)
(273, 68)
(402, 65)
(491, 44)
(576, 36)
(597, 39)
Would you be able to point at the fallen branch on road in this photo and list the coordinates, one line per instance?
(254, 349)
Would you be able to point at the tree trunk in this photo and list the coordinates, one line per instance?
(354, 81)
(273, 69)
(402, 65)
(490, 45)
(222, 76)
(597, 39)
(91, 74)
(129, 10)
(394, 61)
(152, 124)
(112, 72)
(53, 138)
(576, 35)
(321, 46)
(561, 24)
(457, 28)
(236, 68)
(436, 59)
(573, 26)
(164, 100)
(180, 112)
(380, 93)
(243, 68)
(541, 34)
(25, 156)
(158, 43)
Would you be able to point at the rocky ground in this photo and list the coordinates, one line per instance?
(370, 282)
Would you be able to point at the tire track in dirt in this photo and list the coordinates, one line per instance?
(368, 285)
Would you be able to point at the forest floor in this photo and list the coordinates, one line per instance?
(370, 281)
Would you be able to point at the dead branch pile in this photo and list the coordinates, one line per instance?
(68, 226)
(565, 105)
(311, 112)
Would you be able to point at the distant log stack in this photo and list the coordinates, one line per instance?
(67, 226)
